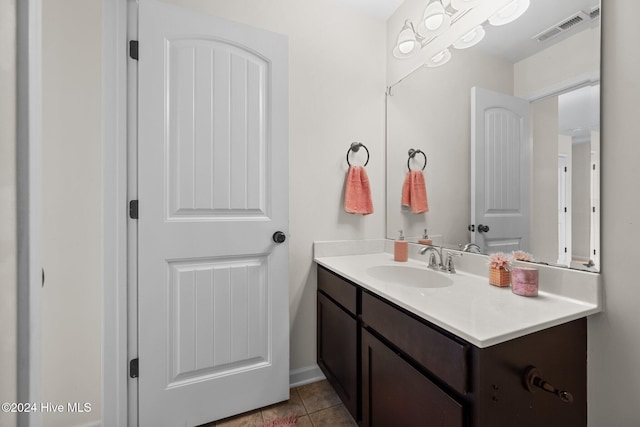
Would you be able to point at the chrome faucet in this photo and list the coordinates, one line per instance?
(469, 246)
(441, 265)
(432, 259)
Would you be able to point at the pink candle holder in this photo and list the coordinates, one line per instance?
(524, 281)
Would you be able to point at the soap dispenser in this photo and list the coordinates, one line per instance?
(425, 240)
(401, 249)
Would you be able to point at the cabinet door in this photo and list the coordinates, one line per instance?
(394, 393)
(338, 351)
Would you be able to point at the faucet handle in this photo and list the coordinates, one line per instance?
(449, 267)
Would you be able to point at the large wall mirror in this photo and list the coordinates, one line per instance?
(539, 193)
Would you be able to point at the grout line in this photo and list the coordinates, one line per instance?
(328, 407)
(302, 401)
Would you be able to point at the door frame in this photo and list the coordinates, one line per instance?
(29, 209)
(29, 206)
(564, 160)
(115, 396)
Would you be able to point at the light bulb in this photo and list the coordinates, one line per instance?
(510, 12)
(439, 58)
(406, 46)
(471, 38)
(433, 22)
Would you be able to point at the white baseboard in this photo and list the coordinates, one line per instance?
(93, 424)
(302, 376)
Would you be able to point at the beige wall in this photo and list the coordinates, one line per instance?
(614, 347)
(576, 56)
(544, 198)
(72, 240)
(336, 96)
(7, 207)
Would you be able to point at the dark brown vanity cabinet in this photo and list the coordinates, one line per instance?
(392, 368)
(338, 339)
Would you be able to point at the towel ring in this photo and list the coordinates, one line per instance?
(412, 154)
(355, 147)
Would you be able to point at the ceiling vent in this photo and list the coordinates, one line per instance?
(567, 24)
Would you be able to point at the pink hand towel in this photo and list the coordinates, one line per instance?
(414, 192)
(357, 192)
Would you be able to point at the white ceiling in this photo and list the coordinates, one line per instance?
(381, 9)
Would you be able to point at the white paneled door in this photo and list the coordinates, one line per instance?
(213, 189)
(500, 171)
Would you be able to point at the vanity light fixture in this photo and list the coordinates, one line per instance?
(437, 19)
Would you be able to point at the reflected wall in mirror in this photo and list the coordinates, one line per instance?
(556, 162)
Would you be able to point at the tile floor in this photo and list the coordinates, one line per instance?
(315, 404)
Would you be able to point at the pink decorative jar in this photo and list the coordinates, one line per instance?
(524, 281)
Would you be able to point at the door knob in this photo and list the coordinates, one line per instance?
(279, 237)
(483, 228)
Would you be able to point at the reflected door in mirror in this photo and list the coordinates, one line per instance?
(500, 160)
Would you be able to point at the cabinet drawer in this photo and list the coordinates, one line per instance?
(341, 291)
(441, 355)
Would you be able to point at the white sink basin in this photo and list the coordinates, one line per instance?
(410, 276)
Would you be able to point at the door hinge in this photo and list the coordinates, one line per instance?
(133, 368)
(565, 168)
(593, 209)
(565, 209)
(565, 250)
(133, 209)
(133, 49)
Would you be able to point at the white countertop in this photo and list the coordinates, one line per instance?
(470, 308)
